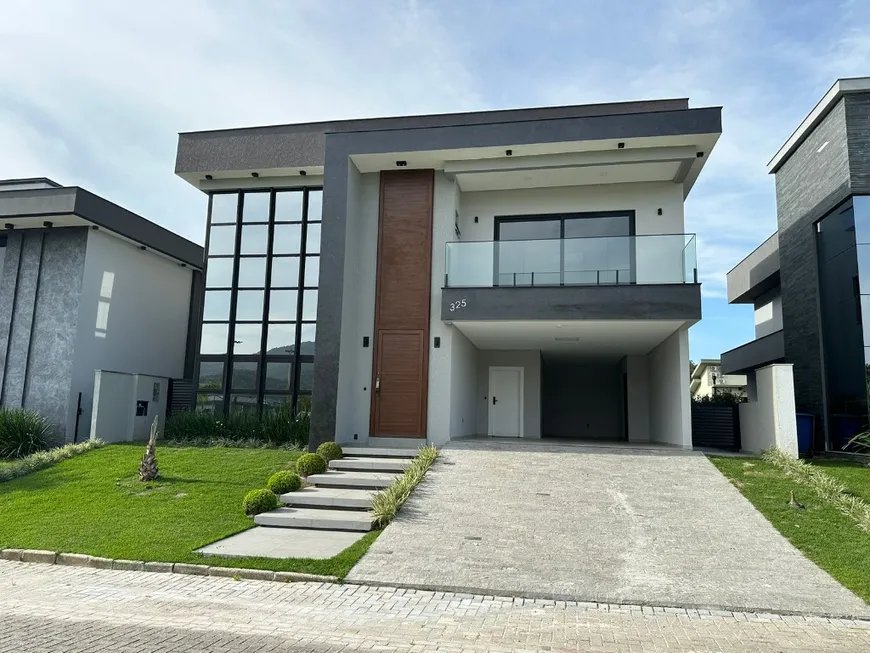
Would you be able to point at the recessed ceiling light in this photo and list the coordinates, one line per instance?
(566, 339)
(255, 174)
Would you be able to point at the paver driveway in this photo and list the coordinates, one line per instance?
(618, 525)
(45, 608)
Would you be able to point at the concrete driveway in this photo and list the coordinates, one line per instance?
(608, 524)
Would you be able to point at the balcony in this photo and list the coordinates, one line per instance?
(600, 278)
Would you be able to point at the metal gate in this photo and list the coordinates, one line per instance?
(716, 426)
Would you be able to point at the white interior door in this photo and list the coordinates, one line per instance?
(506, 401)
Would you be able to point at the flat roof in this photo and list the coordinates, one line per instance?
(841, 87)
(27, 203)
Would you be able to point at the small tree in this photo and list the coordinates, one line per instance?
(148, 468)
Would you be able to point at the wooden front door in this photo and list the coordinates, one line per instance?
(402, 304)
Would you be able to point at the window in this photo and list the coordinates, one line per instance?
(262, 277)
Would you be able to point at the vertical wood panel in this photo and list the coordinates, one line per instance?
(402, 304)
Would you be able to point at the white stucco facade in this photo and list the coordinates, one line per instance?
(133, 318)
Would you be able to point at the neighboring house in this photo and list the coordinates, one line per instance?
(810, 281)
(87, 285)
(708, 381)
(519, 273)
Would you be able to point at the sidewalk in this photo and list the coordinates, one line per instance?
(53, 608)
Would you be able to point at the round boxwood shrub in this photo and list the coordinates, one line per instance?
(257, 501)
(310, 463)
(330, 451)
(284, 481)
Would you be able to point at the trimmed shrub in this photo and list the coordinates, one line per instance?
(23, 432)
(310, 463)
(257, 501)
(330, 451)
(284, 481)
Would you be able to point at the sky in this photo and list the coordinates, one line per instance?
(94, 92)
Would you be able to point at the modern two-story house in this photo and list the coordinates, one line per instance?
(522, 273)
(810, 281)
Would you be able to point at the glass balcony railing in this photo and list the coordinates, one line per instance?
(610, 260)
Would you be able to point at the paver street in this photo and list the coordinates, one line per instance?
(55, 608)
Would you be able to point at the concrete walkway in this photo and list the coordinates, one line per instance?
(48, 608)
(615, 525)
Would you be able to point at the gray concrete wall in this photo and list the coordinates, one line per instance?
(808, 185)
(39, 302)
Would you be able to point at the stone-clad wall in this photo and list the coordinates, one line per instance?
(812, 181)
(39, 302)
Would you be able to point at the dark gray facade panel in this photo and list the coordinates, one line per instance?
(661, 302)
(8, 286)
(858, 128)
(291, 146)
(40, 201)
(55, 324)
(754, 354)
(581, 400)
(811, 182)
(333, 237)
(18, 348)
(756, 274)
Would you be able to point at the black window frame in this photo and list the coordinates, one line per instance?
(562, 217)
(262, 358)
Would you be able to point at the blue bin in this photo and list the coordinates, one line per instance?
(805, 423)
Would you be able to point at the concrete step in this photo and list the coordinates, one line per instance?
(328, 497)
(342, 479)
(317, 518)
(370, 464)
(380, 452)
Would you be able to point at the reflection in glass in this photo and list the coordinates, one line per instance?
(309, 305)
(255, 207)
(224, 208)
(219, 273)
(532, 229)
(528, 262)
(222, 240)
(211, 375)
(312, 271)
(288, 238)
(619, 225)
(279, 376)
(249, 305)
(281, 339)
(217, 305)
(309, 334)
(285, 272)
(312, 239)
(282, 305)
(247, 339)
(252, 272)
(315, 205)
(214, 339)
(242, 402)
(277, 402)
(861, 207)
(288, 206)
(244, 375)
(306, 376)
(255, 239)
(209, 403)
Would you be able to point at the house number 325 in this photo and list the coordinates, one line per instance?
(455, 306)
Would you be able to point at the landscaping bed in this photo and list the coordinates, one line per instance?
(94, 504)
(820, 531)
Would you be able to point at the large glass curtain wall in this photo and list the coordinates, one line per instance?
(843, 241)
(259, 316)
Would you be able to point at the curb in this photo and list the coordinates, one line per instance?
(96, 562)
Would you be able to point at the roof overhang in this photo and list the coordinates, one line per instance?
(840, 88)
(56, 207)
(555, 146)
(755, 275)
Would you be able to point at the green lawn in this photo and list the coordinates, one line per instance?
(95, 504)
(825, 536)
(855, 476)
